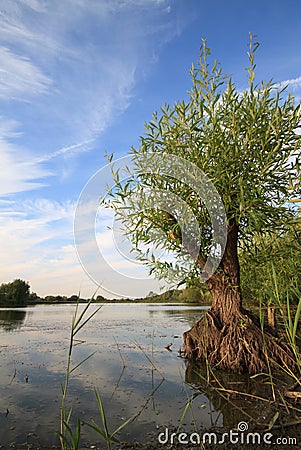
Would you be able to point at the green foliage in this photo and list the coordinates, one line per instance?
(103, 429)
(63, 299)
(245, 142)
(192, 295)
(196, 293)
(68, 438)
(16, 293)
(290, 314)
(170, 296)
(269, 253)
(55, 299)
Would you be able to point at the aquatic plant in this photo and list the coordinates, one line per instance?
(70, 439)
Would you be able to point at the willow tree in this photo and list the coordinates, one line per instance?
(247, 144)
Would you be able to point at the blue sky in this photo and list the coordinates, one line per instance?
(79, 78)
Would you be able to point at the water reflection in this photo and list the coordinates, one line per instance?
(128, 346)
(184, 314)
(225, 391)
(37, 352)
(12, 319)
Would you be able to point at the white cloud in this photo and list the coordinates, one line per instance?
(294, 84)
(57, 49)
(8, 128)
(74, 63)
(76, 75)
(67, 51)
(17, 175)
(19, 172)
(36, 242)
(37, 245)
(19, 77)
(71, 43)
(36, 5)
(66, 151)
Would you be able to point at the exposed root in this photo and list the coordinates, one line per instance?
(238, 345)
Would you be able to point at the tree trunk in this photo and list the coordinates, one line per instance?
(227, 336)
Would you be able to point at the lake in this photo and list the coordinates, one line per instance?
(34, 344)
(134, 372)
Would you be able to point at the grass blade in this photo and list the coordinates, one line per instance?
(273, 420)
(82, 362)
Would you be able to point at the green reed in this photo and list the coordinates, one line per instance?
(68, 438)
(290, 316)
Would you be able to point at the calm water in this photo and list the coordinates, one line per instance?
(33, 349)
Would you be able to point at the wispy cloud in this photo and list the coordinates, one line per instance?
(69, 51)
(293, 84)
(66, 151)
(73, 87)
(62, 49)
(37, 244)
(18, 170)
(68, 69)
(32, 244)
(66, 44)
(36, 5)
(19, 77)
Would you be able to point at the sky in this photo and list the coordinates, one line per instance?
(79, 78)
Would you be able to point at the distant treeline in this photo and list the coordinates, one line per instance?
(17, 293)
(188, 295)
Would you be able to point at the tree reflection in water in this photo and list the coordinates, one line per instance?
(225, 391)
(11, 319)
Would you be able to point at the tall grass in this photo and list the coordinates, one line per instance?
(70, 436)
(262, 324)
(291, 321)
(103, 428)
(69, 439)
(150, 360)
